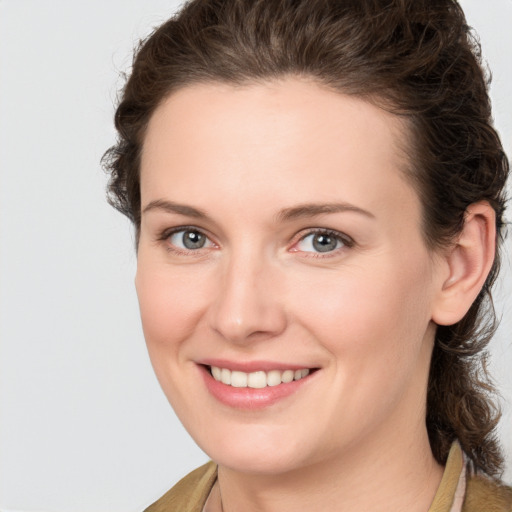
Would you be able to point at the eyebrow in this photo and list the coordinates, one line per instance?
(172, 207)
(314, 209)
(285, 215)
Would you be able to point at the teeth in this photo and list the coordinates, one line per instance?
(287, 375)
(274, 378)
(225, 376)
(216, 372)
(258, 379)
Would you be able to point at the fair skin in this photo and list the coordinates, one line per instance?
(234, 271)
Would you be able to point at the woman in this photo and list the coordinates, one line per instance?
(318, 197)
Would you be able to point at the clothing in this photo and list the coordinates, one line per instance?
(458, 492)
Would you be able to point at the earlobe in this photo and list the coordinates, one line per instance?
(468, 261)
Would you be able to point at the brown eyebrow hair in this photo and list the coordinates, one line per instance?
(287, 214)
(313, 209)
(172, 207)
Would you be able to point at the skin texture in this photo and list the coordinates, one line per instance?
(362, 314)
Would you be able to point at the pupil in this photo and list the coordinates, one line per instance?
(193, 240)
(324, 243)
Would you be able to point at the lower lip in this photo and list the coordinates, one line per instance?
(250, 398)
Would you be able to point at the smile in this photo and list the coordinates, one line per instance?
(254, 385)
(258, 379)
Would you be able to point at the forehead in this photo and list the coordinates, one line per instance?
(270, 138)
(283, 106)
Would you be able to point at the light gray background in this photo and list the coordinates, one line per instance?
(84, 426)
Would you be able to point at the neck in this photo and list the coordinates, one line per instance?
(399, 476)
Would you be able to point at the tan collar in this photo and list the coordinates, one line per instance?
(450, 494)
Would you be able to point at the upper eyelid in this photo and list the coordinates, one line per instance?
(346, 239)
(166, 233)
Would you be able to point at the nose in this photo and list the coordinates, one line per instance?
(247, 306)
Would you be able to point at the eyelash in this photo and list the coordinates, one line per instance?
(166, 234)
(346, 241)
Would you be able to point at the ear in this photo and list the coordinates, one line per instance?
(467, 263)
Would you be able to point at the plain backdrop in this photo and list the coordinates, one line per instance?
(84, 426)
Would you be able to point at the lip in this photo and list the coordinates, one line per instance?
(250, 366)
(251, 399)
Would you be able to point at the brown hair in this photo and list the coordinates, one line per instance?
(417, 58)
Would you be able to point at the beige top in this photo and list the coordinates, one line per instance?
(458, 492)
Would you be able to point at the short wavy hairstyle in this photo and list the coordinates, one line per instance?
(415, 58)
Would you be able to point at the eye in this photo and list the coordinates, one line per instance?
(189, 239)
(321, 242)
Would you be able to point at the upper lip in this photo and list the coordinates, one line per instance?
(251, 366)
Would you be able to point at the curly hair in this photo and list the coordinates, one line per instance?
(415, 58)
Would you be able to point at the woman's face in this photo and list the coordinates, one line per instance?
(280, 238)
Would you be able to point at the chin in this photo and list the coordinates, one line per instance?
(257, 462)
(256, 452)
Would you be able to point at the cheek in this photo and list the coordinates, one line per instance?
(171, 302)
(374, 326)
(171, 306)
(371, 316)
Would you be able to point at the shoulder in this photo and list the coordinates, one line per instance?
(486, 495)
(190, 493)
